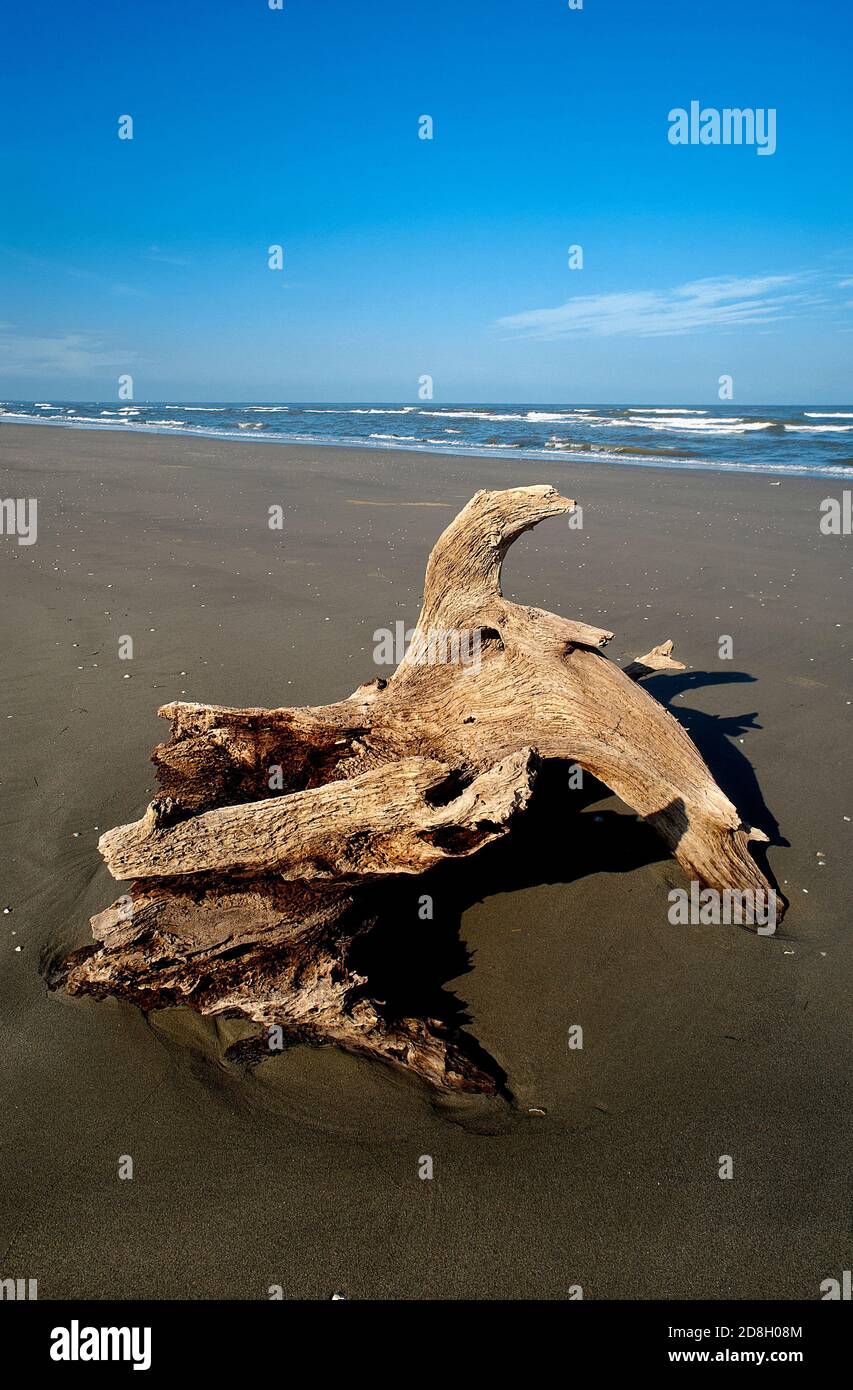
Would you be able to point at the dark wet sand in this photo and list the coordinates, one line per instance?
(699, 1041)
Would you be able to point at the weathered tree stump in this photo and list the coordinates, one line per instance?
(248, 903)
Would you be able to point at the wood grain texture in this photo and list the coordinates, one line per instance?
(249, 903)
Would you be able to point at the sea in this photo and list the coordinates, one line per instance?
(781, 440)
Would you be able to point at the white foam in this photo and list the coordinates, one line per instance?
(469, 415)
(361, 410)
(819, 429)
(723, 425)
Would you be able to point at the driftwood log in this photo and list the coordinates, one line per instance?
(276, 832)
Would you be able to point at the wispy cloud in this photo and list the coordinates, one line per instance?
(717, 302)
(106, 283)
(155, 253)
(63, 354)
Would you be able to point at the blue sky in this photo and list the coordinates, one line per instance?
(403, 256)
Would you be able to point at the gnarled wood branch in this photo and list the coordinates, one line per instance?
(392, 820)
(249, 903)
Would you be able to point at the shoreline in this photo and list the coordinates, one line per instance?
(622, 458)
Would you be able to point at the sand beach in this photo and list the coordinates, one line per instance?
(699, 1041)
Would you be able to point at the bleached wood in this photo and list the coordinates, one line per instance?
(250, 904)
(379, 823)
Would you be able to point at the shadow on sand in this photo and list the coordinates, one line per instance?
(407, 960)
